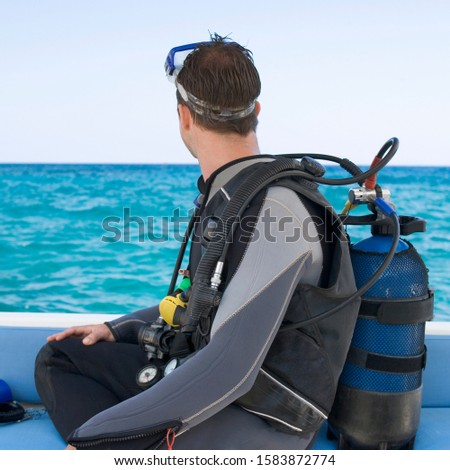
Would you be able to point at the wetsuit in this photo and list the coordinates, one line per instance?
(91, 392)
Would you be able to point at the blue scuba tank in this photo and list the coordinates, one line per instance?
(378, 401)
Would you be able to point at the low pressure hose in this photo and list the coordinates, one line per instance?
(385, 155)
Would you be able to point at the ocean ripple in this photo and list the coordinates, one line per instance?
(60, 250)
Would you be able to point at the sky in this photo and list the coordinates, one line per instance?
(83, 81)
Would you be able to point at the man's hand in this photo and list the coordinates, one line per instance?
(90, 334)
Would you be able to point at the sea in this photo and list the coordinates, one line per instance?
(105, 238)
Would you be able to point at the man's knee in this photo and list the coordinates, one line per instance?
(46, 356)
(42, 366)
(43, 358)
(50, 357)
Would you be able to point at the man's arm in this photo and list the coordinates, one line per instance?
(251, 311)
(125, 329)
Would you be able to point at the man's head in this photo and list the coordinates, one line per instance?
(220, 84)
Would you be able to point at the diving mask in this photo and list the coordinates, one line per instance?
(174, 63)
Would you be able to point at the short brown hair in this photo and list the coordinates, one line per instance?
(222, 74)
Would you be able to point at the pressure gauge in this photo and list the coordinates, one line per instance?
(171, 366)
(148, 376)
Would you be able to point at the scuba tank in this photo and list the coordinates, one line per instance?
(378, 401)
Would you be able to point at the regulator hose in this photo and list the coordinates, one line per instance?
(391, 147)
(204, 296)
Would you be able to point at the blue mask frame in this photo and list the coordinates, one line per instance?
(176, 57)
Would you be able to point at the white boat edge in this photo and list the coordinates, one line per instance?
(53, 320)
(64, 320)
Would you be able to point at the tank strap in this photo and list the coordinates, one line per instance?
(382, 363)
(407, 311)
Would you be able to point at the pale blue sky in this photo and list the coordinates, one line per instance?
(83, 81)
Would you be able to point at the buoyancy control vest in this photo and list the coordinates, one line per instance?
(296, 385)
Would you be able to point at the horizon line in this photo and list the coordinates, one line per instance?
(435, 165)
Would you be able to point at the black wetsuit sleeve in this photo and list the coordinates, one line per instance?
(251, 311)
(125, 329)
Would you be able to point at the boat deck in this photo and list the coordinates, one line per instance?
(22, 335)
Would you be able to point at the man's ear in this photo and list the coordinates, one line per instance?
(185, 117)
(257, 108)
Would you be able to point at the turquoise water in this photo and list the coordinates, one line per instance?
(104, 238)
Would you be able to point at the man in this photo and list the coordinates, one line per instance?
(246, 384)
